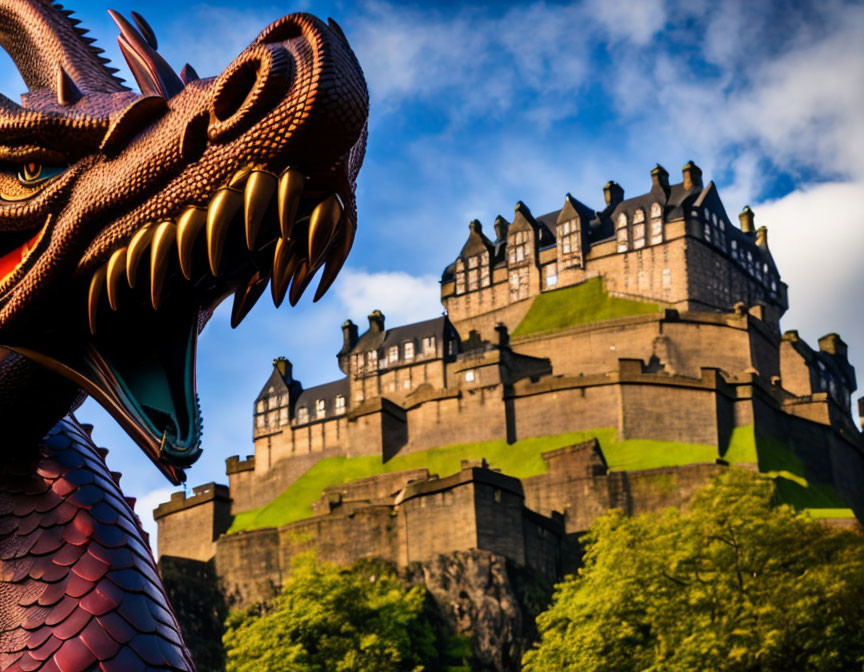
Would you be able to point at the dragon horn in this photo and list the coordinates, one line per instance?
(42, 40)
(153, 74)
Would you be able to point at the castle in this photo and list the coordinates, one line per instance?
(586, 360)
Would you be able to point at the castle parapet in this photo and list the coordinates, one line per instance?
(189, 526)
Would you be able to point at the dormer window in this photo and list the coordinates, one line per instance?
(518, 247)
(622, 233)
(339, 406)
(460, 276)
(638, 229)
(569, 244)
(320, 408)
(429, 346)
(485, 275)
(393, 354)
(656, 224)
(302, 415)
(408, 350)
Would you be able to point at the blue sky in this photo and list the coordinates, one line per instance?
(477, 106)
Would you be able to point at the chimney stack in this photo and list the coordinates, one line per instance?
(660, 180)
(501, 228)
(762, 237)
(746, 218)
(613, 193)
(284, 367)
(376, 321)
(349, 335)
(474, 226)
(692, 176)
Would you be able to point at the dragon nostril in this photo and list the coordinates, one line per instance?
(247, 90)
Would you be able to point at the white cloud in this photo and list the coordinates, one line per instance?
(816, 236)
(635, 21)
(403, 298)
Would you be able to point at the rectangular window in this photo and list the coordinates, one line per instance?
(656, 231)
(429, 345)
(283, 415)
(393, 354)
(340, 405)
(484, 275)
(472, 279)
(469, 376)
(372, 360)
(623, 240)
(320, 408)
(638, 236)
(551, 275)
(261, 406)
(408, 349)
(259, 421)
(472, 262)
(302, 415)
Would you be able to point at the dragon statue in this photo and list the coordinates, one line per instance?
(125, 219)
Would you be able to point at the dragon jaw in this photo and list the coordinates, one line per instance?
(166, 203)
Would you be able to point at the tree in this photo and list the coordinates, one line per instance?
(331, 619)
(735, 583)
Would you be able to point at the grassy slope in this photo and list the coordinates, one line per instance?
(778, 461)
(581, 304)
(522, 459)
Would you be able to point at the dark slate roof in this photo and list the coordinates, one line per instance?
(409, 332)
(277, 382)
(328, 392)
(449, 273)
(477, 242)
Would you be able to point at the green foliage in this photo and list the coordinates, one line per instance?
(520, 459)
(734, 584)
(330, 619)
(582, 304)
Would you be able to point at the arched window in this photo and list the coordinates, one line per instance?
(320, 408)
(656, 224)
(638, 229)
(302, 415)
(623, 233)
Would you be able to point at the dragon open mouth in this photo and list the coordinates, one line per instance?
(145, 317)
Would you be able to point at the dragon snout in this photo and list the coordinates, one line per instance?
(248, 89)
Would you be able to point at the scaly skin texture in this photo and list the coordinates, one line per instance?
(125, 219)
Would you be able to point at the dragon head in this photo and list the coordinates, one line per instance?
(126, 218)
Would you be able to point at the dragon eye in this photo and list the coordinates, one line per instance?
(33, 173)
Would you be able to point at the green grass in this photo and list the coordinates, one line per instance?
(581, 304)
(778, 461)
(521, 459)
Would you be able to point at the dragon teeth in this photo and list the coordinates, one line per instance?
(336, 259)
(221, 212)
(163, 244)
(97, 284)
(324, 238)
(246, 297)
(284, 263)
(189, 226)
(115, 275)
(257, 197)
(322, 227)
(290, 191)
(135, 251)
